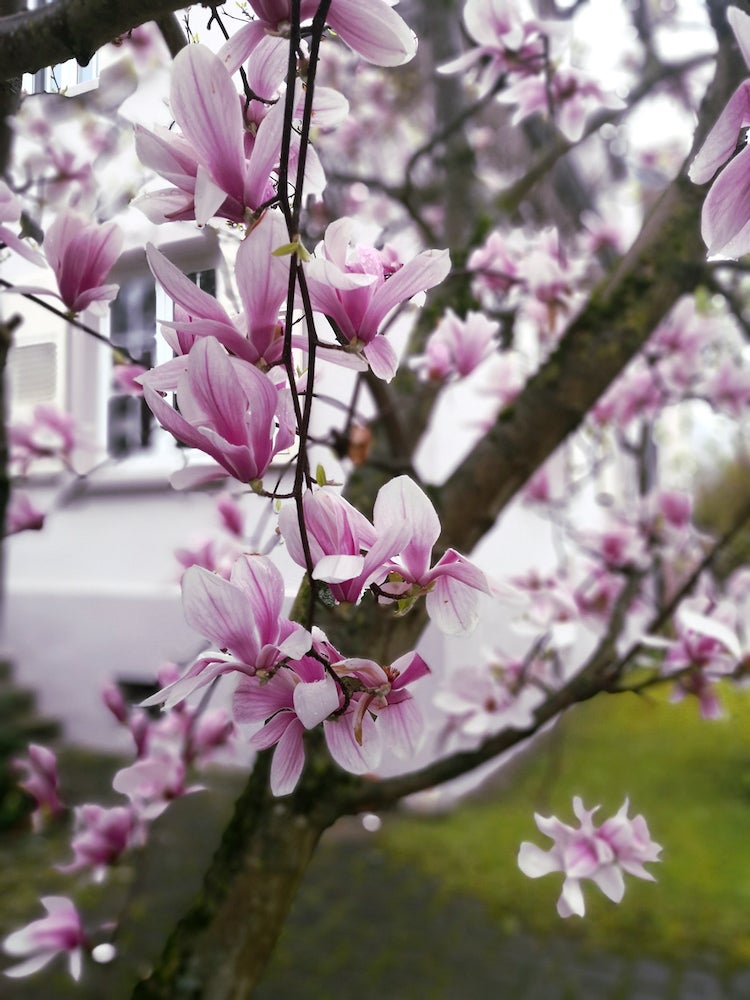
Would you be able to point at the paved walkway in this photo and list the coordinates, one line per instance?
(367, 930)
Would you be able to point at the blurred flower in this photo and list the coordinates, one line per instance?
(60, 932)
(41, 782)
(22, 515)
(101, 837)
(601, 854)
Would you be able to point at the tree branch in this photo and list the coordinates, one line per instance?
(558, 146)
(666, 261)
(71, 29)
(172, 33)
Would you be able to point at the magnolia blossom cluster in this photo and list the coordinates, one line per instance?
(103, 836)
(523, 58)
(481, 699)
(247, 416)
(620, 846)
(75, 149)
(292, 680)
(393, 553)
(552, 615)
(707, 646)
(695, 352)
(530, 275)
(50, 434)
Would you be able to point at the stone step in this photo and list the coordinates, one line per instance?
(16, 736)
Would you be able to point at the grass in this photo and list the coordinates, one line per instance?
(689, 777)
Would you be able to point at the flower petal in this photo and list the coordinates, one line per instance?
(315, 701)
(207, 108)
(374, 30)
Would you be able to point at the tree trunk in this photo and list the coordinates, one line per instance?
(221, 947)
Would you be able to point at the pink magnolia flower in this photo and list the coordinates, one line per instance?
(22, 515)
(676, 507)
(507, 39)
(549, 606)
(41, 782)
(114, 701)
(153, 782)
(728, 389)
(262, 282)
(458, 346)
(548, 273)
(706, 648)
(348, 552)
(685, 331)
(227, 408)
(101, 837)
(295, 699)
(383, 715)
(243, 617)
(609, 234)
(50, 434)
(201, 554)
(601, 854)
(598, 593)
(480, 700)
(637, 393)
(81, 254)
(620, 547)
(357, 288)
(572, 93)
(231, 515)
(217, 167)
(453, 584)
(725, 220)
(210, 731)
(126, 379)
(495, 264)
(60, 932)
(370, 27)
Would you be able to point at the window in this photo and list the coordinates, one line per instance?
(133, 320)
(132, 324)
(53, 362)
(65, 78)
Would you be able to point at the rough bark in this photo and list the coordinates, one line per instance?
(220, 948)
(71, 29)
(666, 262)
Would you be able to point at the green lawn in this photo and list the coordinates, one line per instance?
(689, 777)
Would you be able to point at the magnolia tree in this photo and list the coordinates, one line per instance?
(539, 312)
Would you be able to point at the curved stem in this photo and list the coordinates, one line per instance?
(77, 323)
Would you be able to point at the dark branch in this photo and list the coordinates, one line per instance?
(172, 33)
(71, 29)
